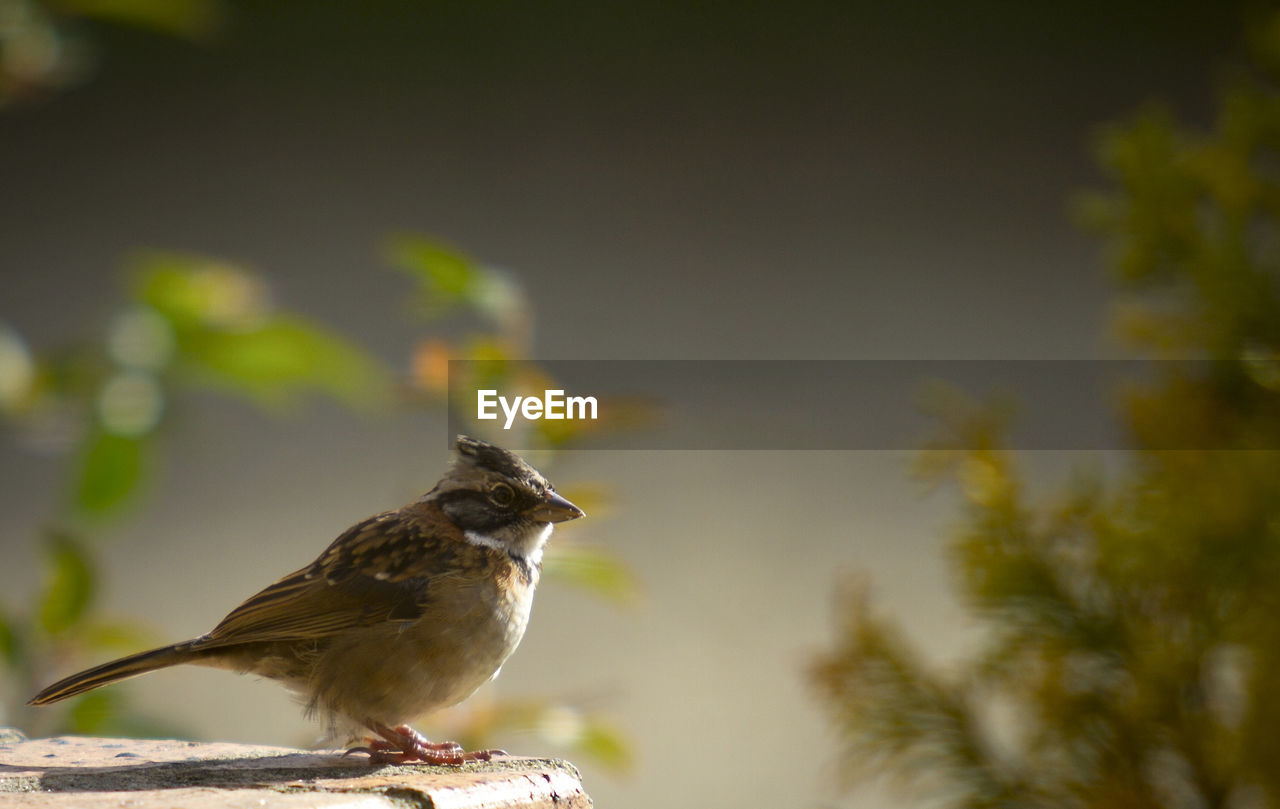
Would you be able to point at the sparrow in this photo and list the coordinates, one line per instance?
(406, 612)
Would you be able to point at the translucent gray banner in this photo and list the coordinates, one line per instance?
(799, 405)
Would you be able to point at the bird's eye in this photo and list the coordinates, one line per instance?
(500, 494)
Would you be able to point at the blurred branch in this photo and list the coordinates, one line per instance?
(895, 717)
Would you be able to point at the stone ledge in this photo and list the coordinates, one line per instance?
(79, 771)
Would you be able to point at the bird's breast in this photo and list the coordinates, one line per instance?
(467, 639)
(399, 671)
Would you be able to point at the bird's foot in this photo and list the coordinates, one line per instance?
(404, 745)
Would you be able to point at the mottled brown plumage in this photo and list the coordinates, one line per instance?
(406, 612)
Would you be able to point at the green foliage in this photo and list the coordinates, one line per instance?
(1199, 219)
(445, 276)
(91, 712)
(107, 713)
(897, 718)
(448, 280)
(228, 336)
(592, 569)
(601, 741)
(10, 650)
(110, 470)
(1130, 652)
(69, 585)
(193, 19)
(275, 362)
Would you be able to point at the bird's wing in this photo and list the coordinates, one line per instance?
(383, 569)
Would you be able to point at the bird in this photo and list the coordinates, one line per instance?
(406, 612)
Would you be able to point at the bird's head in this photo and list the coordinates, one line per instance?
(498, 499)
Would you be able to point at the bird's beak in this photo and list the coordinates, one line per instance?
(555, 508)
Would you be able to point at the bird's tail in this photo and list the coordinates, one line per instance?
(116, 670)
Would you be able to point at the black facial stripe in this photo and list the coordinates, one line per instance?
(471, 510)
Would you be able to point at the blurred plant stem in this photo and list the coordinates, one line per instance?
(1131, 652)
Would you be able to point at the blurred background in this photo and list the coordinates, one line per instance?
(807, 180)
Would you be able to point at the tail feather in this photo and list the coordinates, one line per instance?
(117, 670)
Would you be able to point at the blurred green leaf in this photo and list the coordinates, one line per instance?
(10, 646)
(193, 19)
(110, 469)
(69, 587)
(446, 276)
(115, 636)
(230, 337)
(90, 713)
(492, 357)
(606, 744)
(592, 569)
(108, 712)
(289, 356)
(195, 292)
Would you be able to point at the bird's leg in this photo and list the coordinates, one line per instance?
(403, 744)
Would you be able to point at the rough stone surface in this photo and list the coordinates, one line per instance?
(68, 771)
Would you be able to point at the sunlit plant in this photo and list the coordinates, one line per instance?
(1130, 652)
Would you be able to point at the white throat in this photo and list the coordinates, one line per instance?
(528, 547)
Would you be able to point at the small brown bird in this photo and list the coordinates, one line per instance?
(407, 612)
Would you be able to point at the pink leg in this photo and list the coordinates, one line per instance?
(403, 744)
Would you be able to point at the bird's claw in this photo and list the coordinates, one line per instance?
(404, 745)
